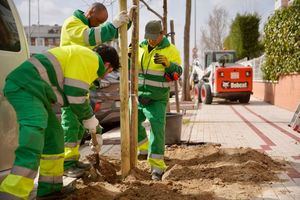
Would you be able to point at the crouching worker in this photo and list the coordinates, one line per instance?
(62, 75)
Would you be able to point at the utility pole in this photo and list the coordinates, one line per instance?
(29, 37)
(195, 22)
(195, 50)
(124, 97)
(38, 23)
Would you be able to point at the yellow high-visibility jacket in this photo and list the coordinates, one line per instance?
(63, 75)
(152, 83)
(76, 30)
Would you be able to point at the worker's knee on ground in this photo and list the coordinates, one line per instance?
(24, 184)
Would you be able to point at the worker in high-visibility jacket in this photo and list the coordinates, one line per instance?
(62, 75)
(159, 65)
(85, 29)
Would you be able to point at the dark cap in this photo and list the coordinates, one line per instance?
(153, 29)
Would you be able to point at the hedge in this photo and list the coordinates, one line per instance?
(282, 42)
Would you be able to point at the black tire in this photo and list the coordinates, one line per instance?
(199, 85)
(206, 96)
(244, 99)
(196, 93)
(232, 99)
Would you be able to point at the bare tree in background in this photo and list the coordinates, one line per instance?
(162, 18)
(213, 35)
(186, 46)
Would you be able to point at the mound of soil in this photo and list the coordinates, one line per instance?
(194, 172)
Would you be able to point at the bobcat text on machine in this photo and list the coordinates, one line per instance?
(221, 77)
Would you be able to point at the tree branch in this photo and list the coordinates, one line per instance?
(150, 9)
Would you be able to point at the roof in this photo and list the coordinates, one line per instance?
(44, 31)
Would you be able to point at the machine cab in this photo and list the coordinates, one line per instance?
(228, 56)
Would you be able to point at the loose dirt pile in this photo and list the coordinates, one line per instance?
(194, 172)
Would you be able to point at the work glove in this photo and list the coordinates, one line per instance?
(161, 59)
(91, 124)
(120, 19)
(96, 148)
(132, 9)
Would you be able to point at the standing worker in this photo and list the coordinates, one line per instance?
(84, 29)
(159, 64)
(62, 75)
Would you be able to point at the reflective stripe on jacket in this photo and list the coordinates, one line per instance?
(76, 30)
(64, 75)
(152, 83)
(81, 67)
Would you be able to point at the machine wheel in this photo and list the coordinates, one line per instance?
(232, 99)
(196, 92)
(244, 99)
(206, 96)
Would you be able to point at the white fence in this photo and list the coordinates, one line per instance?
(256, 65)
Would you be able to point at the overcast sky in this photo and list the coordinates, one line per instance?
(56, 11)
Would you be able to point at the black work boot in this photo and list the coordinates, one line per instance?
(82, 165)
(156, 176)
(74, 172)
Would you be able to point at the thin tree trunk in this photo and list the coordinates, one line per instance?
(186, 87)
(124, 97)
(134, 86)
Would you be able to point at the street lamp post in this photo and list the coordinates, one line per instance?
(29, 39)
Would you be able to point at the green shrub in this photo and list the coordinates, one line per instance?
(282, 42)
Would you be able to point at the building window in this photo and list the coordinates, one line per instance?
(9, 37)
(32, 43)
(57, 41)
(39, 42)
(50, 41)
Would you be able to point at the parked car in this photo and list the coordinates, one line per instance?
(13, 51)
(105, 100)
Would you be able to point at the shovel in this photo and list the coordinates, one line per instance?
(96, 165)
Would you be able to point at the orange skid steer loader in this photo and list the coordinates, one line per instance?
(223, 78)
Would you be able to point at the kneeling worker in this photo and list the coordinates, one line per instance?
(62, 75)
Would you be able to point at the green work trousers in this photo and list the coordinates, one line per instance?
(155, 112)
(73, 133)
(40, 145)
